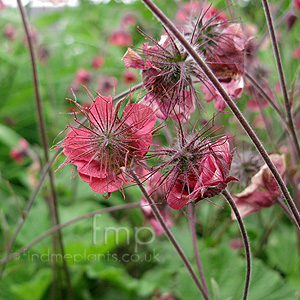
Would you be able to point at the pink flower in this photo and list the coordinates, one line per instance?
(193, 9)
(17, 154)
(234, 88)
(296, 53)
(168, 75)
(112, 143)
(195, 167)
(83, 76)
(156, 191)
(128, 20)
(129, 77)
(97, 62)
(263, 190)
(297, 5)
(120, 37)
(207, 178)
(10, 31)
(106, 84)
(2, 5)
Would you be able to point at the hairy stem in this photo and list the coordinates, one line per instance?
(65, 224)
(169, 234)
(281, 77)
(235, 110)
(192, 216)
(246, 242)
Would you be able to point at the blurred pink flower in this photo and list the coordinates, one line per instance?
(193, 9)
(83, 76)
(111, 142)
(106, 84)
(297, 5)
(236, 244)
(120, 37)
(296, 53)
(156, 191)
(128, 20)
(97, 62)
(129, 77)
(17, 154)
(10, 31)
(263, 190)
(2, 5)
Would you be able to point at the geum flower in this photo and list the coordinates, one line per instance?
(157, 192)
(263, 190)
(110, 144)
(195, 168)
(168, 75)
(221, 43)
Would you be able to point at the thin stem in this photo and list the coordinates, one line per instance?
(244, 123)
(246, 242)
(169, 234)
(125, 93)
(63, 225)
(192, 216)
(281, 77)
(26, 212)
(42, 127)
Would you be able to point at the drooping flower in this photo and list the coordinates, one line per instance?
(109, 144)
(196, 167)
(168, 74)
(156, 191)
(226, 59)
(83, 76)
(263, 190)
(120, 37)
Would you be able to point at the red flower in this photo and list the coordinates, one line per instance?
(111, 142)
(2, 5)
(120, 37)
(263, 190)
(195, 168)
(206, 178)
(156, 191)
